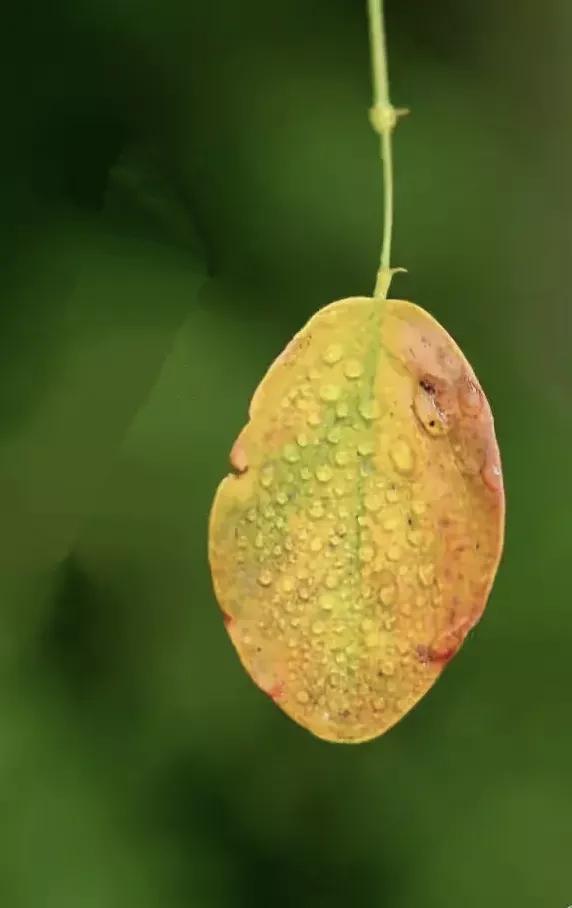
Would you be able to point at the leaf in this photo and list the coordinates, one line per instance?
(357, 541)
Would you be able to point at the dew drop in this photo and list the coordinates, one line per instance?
(326, 602)
(387, 595)
(402, 456)
(342, 458)
(418, 507)
(265, 578)
(259, 541)
(266, 477)
(287, 584)
(353, 368)
(331, 581)
(369, 409)
(427, 574)
(330, 393)
(318, 627)
(305, 473)
(334, 435)
(282, 497)
(365, 448)
(316, 509)
(372, 502)
(313, 418)
(392, 495)
(291, 454)
(333, 354)
(303, 697)
(342, 410)
(316, 544)
(366, 553)
(302, 440)
(251, 515)
(324, 473)
(415, 538)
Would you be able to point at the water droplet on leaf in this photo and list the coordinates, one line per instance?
(402, 456)
(369, 409)
(353, 368)
(266, 477)
(333, 354)
(330, 393)
(291, 454)
(324, 473)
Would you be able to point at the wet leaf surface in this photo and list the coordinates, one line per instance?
(355, 544)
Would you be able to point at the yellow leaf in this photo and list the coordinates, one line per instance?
(356, 542)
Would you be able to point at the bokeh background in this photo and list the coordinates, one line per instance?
(183, 185)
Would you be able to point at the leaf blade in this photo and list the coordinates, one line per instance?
(356, 543)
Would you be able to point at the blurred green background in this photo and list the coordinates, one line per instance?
(183, 185)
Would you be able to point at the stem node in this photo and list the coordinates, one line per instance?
(384, 117)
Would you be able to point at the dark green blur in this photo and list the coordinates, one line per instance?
(183, 185)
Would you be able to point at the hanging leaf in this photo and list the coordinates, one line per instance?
(355, 544)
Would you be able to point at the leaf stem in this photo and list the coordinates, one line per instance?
(383, 118)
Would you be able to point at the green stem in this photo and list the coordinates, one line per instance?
(383, 118)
